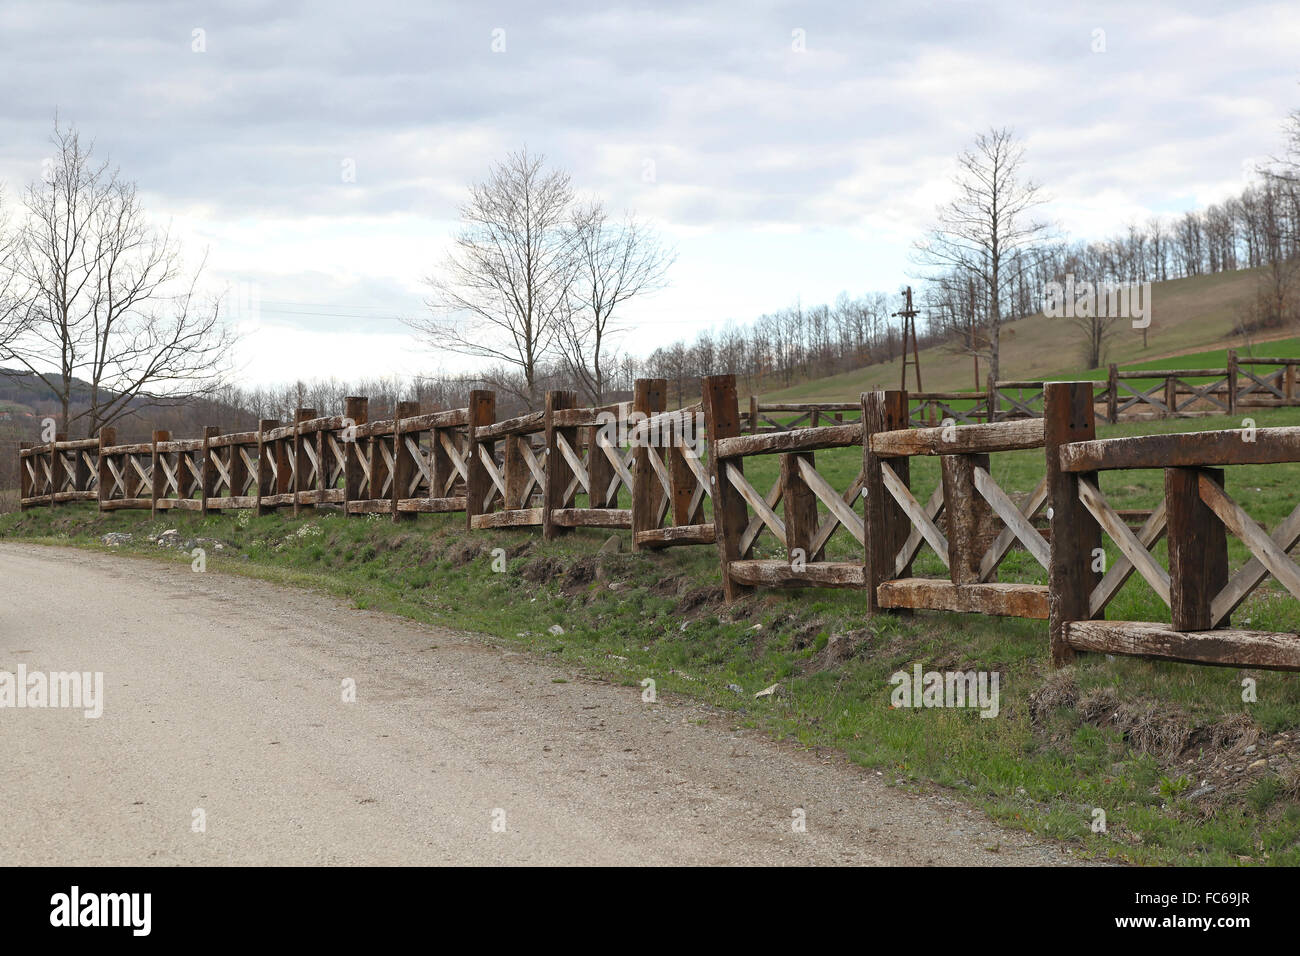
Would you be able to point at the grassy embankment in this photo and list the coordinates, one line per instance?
(1140, 740)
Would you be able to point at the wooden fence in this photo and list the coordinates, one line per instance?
(652, 472)
(1196, 514)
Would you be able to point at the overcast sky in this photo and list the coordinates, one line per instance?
(788, 150)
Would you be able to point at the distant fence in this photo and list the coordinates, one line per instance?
(650, 471)
(1127, 394)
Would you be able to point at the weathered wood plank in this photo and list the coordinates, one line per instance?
(1232, 446)
(803, 439)
(997, 598)
(528, 424)
(959, 439)
(507, 519)
(593, 517)
(431, 505)
(677, 535)
(1223, 648)
(780, 574)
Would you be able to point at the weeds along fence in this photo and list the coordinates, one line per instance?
(680, 478)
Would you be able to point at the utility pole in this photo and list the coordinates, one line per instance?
(908, 314)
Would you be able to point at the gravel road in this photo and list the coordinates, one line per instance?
(225, 695)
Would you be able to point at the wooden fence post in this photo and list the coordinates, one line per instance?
(158, 484)
(208, 470)
(1198, 548)
(24, 478)
(1288, 382)
(799, 504)
(886, 524)
(440, 467)
(1076, 535)
(482, 411)
(81, 471)
(237, 471)
(185, 481)
(753, 414)
(600, 470)
(516, 472)
(1171, 395)
(57, 470)
(265, 453)
(966, 513)
(722, 420)
(1232, 381)
(403, 461)
(107, 439)
(649, 398)
(559, 473)
(993, 398)
(1112, 394)
(357, 409)
(687, 429)
(300, 459)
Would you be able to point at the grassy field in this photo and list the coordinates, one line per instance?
(1193, 316)
(1184, 770)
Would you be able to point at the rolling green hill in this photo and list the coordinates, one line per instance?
(1191, 326)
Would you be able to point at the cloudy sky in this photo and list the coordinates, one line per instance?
(790, 151)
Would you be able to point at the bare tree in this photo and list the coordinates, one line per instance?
(113, 310)
(613, 262)
(15, 308)
(505, 285)
(980, 232)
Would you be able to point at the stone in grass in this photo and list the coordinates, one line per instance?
(735, 688)
(555, 629)
(613, 545)
(115, 538)
(773, 691)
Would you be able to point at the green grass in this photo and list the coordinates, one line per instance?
(1134, 738)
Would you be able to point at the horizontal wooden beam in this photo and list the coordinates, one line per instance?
(430, 505)
(677, 535)
(780, 574)
(117, 504)
(1234, 446)
(800, 439)
(380, 506)
(997, 598)
(233, 502)
(810, 406)
(959, 439)
(523, 517)
(528, 424)
(592, 517)
(1225, 648)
